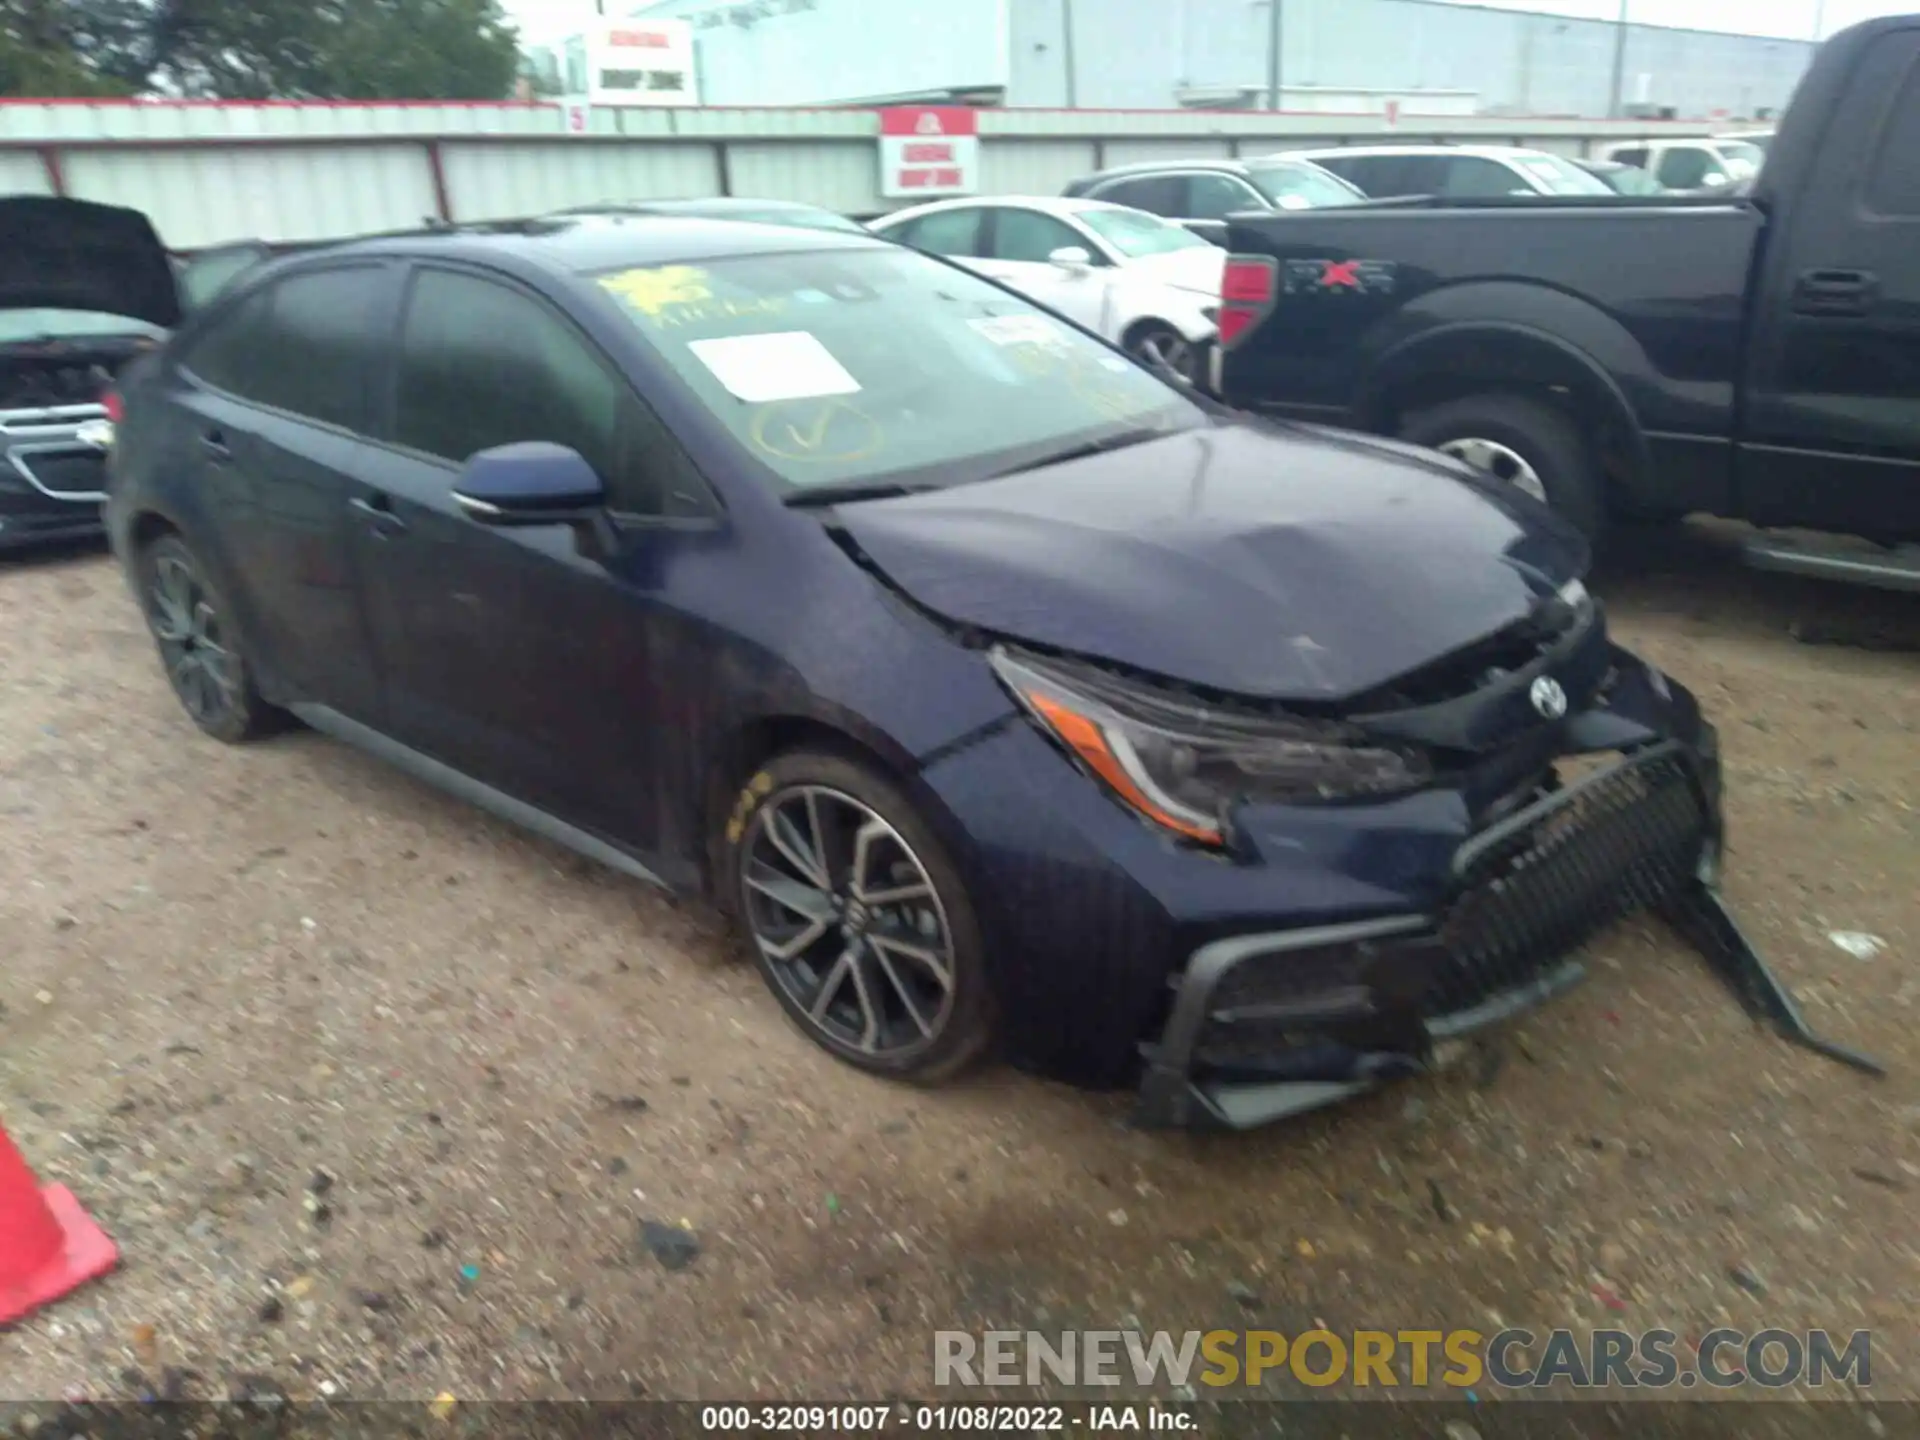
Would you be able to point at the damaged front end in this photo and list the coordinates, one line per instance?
(1592, 790)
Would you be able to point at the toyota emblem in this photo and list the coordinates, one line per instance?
(1548, 698)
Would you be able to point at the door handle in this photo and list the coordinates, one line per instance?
(378, 510)
(214, 444)
(1835, 292)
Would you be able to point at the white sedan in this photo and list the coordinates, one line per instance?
(1147, 284)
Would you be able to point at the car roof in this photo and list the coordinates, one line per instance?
(584, 244)
(1049, 204)
(716, 205)
(1490, 152)
(1150, 167)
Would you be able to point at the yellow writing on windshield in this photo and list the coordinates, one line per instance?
(651, 289)
(815, 431)
(696, 312)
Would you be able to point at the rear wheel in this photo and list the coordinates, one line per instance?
(859, 923)
(1527, 443)
(199, 647)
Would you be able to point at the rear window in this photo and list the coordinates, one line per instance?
(831, 366)
(1156, 194)
(1301, 187)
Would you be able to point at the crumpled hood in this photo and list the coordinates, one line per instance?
(58, 254)
(1273, 562)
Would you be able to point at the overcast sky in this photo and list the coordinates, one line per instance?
(542, 21)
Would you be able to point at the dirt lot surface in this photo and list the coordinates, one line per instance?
(376, 1093)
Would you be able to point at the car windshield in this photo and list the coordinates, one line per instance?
(1302, 187)
(836, 367)
(1136, 234)
(1561, 177)
(18, 325)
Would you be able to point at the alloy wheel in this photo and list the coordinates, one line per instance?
(848, 923)
(1165, 347)
(193, 641)
(1502, 462)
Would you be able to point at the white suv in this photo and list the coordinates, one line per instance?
(1454, 172)
(1698, 165)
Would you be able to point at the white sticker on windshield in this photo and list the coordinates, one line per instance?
(1293, 202)
(787, 365)
(1019, 330)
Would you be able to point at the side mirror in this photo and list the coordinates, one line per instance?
(534, 482)
(1070, 257)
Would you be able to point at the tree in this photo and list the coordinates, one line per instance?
(262, 49)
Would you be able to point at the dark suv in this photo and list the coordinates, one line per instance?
(1200, 194)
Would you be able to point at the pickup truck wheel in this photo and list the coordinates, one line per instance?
(1532, 446)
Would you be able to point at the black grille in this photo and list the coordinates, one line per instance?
(1539, 886)
(1285, 976)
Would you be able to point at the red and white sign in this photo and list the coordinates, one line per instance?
(927, 151)
(634, 63)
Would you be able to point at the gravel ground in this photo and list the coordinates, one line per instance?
(378, 1095)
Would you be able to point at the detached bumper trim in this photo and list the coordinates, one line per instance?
(1169, 1098)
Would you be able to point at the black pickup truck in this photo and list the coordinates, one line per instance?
(1754, 357)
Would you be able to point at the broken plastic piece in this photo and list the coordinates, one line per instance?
(1703, 917)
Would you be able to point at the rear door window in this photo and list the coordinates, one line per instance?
(1685, 167)
(1214, 197)
(1378, 176)
(305, 345)
(1635, 155)
(946, 232)
(1156, 194)
(227, 354)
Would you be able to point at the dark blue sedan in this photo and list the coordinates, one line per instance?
(1008, 694)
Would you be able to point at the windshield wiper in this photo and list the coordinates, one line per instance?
(842, 492)
(1086, 449)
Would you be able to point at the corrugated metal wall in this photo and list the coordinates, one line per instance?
(1138, 53)
(213, 173)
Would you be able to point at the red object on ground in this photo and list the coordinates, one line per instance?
(48, 1244)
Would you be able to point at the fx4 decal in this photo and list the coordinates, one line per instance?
(1320, 277)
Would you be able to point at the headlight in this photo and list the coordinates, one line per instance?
(1184, 766)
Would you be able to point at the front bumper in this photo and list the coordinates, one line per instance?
(1268, 1025)
(52, 475)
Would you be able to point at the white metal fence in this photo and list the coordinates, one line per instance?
(212, 172)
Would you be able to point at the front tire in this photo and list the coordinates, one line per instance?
(859, 921)
(1156, 344)
(1527, 443)
(199, 644)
